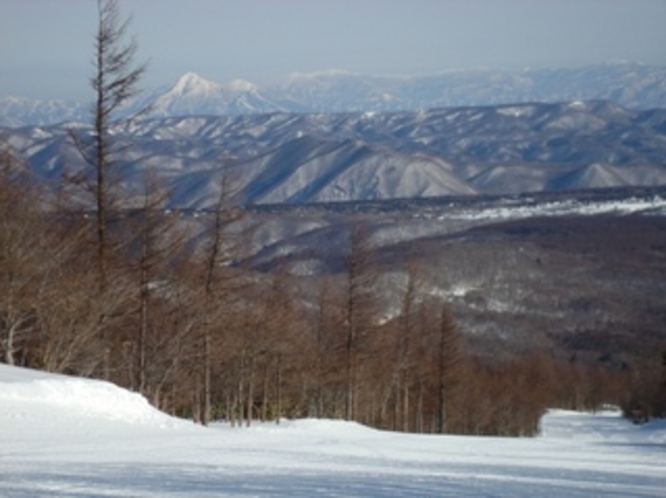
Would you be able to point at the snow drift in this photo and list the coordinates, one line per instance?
(75, 398)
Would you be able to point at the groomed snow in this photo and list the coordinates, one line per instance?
(63, 436)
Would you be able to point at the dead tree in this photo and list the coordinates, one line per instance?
(115, 82)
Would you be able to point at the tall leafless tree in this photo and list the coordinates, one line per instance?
(115, 81)
(360, 278)
(220, 282)
(450, 365)
(157, 241)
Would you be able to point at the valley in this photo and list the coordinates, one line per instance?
(519, 214)
(578, 273)
(533, 234)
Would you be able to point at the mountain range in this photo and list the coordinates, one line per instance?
(312, 158)
(519, 270)
(635, 86)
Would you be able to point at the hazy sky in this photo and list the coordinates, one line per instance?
(46, 45)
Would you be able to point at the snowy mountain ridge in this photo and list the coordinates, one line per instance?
(631, 85)
(193, 84)
(315, 158)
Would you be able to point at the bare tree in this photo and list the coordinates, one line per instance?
(115, 81)
(407, 332)
(21, 253)
(450, 359)
(157, 243)
(220, 281)
(360, 278)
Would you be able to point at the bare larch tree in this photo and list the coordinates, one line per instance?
(115, 81)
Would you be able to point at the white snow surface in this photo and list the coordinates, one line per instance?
(571, 207)
(69, 437)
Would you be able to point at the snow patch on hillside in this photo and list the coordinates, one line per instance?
(654, 206)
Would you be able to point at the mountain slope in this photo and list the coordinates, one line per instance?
(194, 95)
(298, 158)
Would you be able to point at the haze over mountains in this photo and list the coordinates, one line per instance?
(337, 136)
(631, 85)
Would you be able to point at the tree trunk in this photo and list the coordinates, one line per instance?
(278, 389)
(206, 409)
(250, 391)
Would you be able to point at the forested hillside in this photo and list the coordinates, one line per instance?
(184, 317)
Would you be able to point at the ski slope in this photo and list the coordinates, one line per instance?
(70, 437)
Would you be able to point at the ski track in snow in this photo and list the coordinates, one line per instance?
(68, 437)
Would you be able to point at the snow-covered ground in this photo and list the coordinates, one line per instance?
(570, 207)
(62, 436)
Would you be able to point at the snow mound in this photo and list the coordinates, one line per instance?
(28, 391)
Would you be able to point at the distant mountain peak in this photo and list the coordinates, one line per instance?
(326, 73)
(634, 86)
(192, 83)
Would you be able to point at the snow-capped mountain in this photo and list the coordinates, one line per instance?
(19, 111)
(194, 95)
(304, 158)
(631, 85)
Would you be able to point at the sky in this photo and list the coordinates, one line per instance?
(46, 46)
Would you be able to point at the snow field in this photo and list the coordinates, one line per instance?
(67, 437)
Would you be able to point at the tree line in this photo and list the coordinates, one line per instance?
(183, 321)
